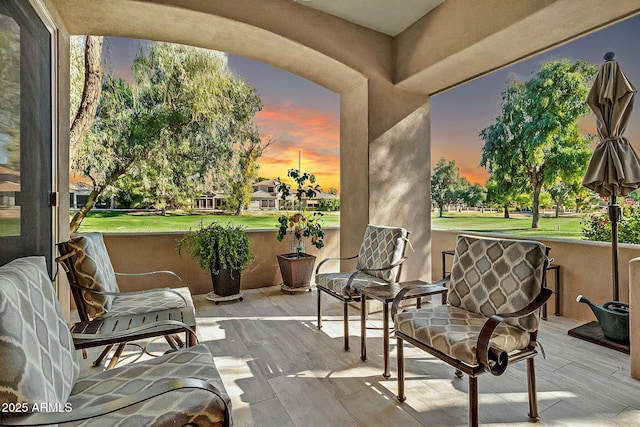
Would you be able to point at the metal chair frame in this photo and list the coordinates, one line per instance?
(490, 359)
(64, 260)
(356, 297)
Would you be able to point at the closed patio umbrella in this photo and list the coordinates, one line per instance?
(614, 168)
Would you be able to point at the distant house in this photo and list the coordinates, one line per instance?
(314, 202)
(211, 201)
(79, 194)
(265, 196)
(9, 186)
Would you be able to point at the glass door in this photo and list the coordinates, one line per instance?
(26, 215)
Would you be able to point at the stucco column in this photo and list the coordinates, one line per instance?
(634, 316)
(400, 170)
(354, 170)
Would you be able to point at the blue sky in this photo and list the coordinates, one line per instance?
(302, 115)
(459, 115)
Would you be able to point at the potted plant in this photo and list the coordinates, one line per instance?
(296, 267)
(224, 251)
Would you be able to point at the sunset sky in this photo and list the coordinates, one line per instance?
(302, 116)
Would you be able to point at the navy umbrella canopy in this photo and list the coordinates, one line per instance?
(614, 168)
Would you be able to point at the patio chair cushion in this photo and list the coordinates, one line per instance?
(491, 276)
(337, 282)
(39, 363)
(129, 304)
(454, 331)
(94, 271)
(174, 408)
(381, 247)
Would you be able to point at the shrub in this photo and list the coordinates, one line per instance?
(329, 205)
(597, 227)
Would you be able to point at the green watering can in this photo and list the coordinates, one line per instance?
(613, 317)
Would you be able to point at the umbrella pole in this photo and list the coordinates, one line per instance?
(614, 217)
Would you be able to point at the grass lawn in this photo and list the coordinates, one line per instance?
(565, 227)
(124, 222)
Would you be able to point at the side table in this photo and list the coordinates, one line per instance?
(123, 329)
(386, 294)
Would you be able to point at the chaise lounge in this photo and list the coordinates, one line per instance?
(40, 380)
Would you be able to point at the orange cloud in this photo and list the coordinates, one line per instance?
(313, 133)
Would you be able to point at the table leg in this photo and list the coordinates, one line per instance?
(363, 328)
(557, 313)
(418, 302)
(385, 339)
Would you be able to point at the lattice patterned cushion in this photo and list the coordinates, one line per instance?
(381, 247)
(154, 300)
(337, 282)
(492, 276)
(455, 331)
(176, 408)
(94, 271)
(37, 359)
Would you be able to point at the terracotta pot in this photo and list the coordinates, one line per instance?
(296, 271)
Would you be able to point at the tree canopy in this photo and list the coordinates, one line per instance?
(446, 183)
(9, 93)
(170, 129)
(535, 140)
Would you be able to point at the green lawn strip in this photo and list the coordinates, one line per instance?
(565, 227)
(123, 222)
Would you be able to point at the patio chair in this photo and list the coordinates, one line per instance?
(496, 289)
(95, 290)
(379, 262)
(40, 380)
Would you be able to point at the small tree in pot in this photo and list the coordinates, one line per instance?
(224, 251)
(296, 267)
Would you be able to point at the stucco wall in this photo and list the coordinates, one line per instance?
(134, 253)
(585, 269)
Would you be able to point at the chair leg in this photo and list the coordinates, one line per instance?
(102, 356)
(473, 401)
(116, 356)
(533, 399)
(400, 357)
(191, 338)
(171, 341)
(319, 309)
(178, 340)
(346, 326)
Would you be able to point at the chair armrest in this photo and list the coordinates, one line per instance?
(495, 360)
(81, 414)
(132, 331)
(400, 296)
(148, 273)
(334, 259)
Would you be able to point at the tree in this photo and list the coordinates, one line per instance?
(472, 194)
(9, 93)
(559, 193)
(87, 103)
(535, 138)
(246, 153)
(500, 193)
(170, 129)
(445, 184)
